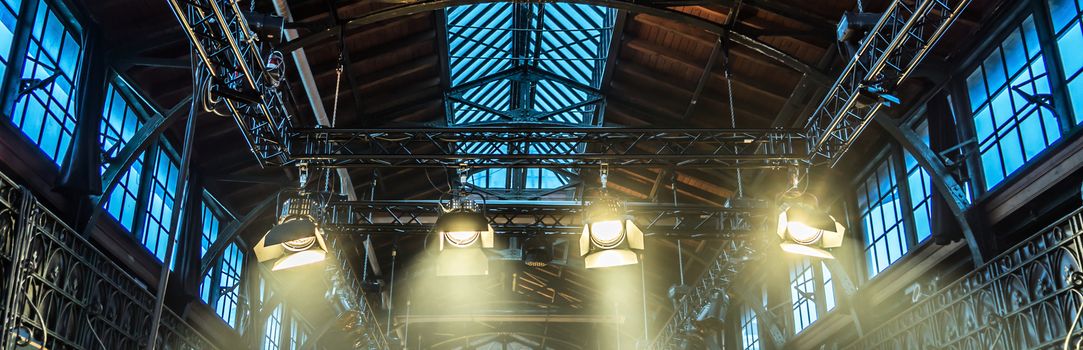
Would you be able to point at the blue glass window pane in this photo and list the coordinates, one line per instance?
(118, 125)
(272, 331)
(229, 283)
(750, 330)
(46, 115)
(1017, 130)
(159, 212)
(885, 236)
(1062, 12)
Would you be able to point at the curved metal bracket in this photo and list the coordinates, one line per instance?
(700, 23)
(231, 231)
(132, 150)
(942, 180)
(755, 302)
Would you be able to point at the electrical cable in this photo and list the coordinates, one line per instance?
(41, 318)
(93, 331)
(1075, 321)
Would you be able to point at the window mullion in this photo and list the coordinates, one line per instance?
(906, 203)
(1058, 85)
(964, 123)
(146, 181)
(9, 88)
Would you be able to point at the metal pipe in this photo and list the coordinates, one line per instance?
(178, 203)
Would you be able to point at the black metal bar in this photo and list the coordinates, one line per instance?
(389, 217)
(714, 148)
(182, 191)
(712, 62)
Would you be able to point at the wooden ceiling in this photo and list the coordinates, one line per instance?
(396, 79)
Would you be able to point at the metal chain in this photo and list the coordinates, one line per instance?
(338, 84)
(733, 113)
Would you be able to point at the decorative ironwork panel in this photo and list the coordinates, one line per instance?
(62, 293)
(1023, 299)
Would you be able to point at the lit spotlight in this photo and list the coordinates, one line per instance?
(463, 234)
(296, 241)
(610, 237)
(806, 230)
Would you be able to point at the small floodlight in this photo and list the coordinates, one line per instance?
(806, 230)
(712, 314)
(610, 237)
(463, 233)
(296, 241)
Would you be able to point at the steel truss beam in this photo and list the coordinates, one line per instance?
(539, 217)
(696, 148)
(235, 60)
(889, 54)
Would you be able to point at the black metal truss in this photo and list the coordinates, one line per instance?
(236, 62)
(889, 54)
(488, 147)
(392, 217)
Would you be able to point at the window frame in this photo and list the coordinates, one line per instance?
(821, 278)
(1011, 19)
(18, 58)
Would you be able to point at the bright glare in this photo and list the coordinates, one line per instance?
(806, 250)
(462, 238)
(299, 259)
(802, 233)
(610, 258)
(606, 233)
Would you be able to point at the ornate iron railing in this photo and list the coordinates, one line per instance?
(60, 292)
(1024, 299)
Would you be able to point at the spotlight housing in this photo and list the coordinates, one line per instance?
(463, 233)
(808, 231)
(610, 237)
(712, 314)
(295, 241)
(537, 251)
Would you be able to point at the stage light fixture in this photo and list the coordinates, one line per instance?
(806, 230)
(610, 237)
(296, 240)
(463, 233)
(711, 315)
(537, 251)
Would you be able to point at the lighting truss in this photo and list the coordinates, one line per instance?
(540, 217)
(231, 52)
(888, 55)
(720, 273)
(695, 148)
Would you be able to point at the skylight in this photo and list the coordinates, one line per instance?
(534, 63)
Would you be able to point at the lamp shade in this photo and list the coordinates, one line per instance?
(462, 229)
(610, 237)
(807, 231)
(464, 235)
(297, 241)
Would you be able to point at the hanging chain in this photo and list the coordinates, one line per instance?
(338, 84)
(603, 175)
(733, 113)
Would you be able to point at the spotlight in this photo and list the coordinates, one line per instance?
(610, 238)
(463, 234)
(537, 251)
(296, 241)
(712, 314)
(806, 230)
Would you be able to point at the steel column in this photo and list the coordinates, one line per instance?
(946, 184)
